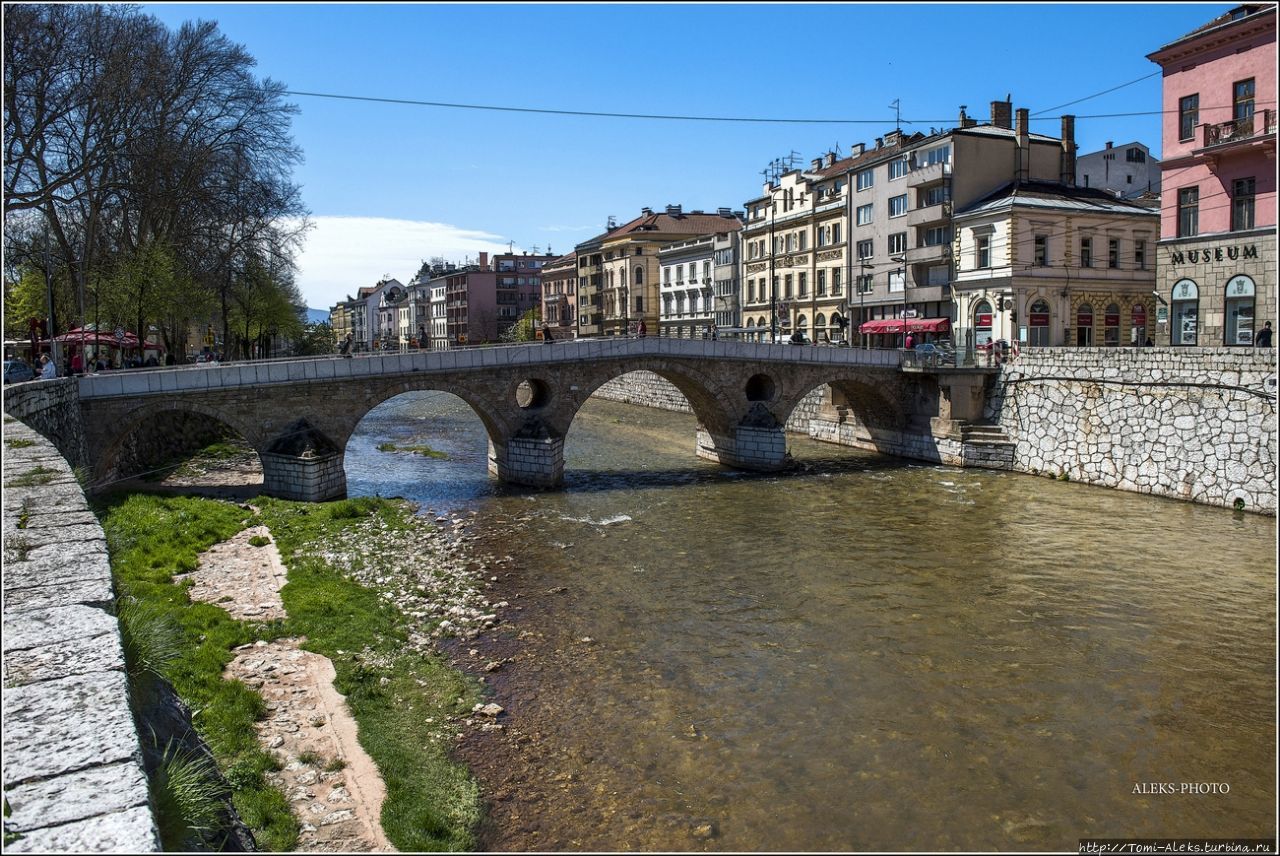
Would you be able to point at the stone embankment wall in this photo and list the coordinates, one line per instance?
(73, 775)
(51, 407)
(1197, 425)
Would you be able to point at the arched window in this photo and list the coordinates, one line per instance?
(1238, 311)
(1038, 325)
(1185, 309)
(639, 275)
(1111, 326)
(1084, 326)
(820, 327)
(1138, 324)
(802, 324)
(982, 319)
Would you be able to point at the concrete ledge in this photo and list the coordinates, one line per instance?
(73, 776)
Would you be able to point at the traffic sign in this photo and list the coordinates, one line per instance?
(119, 334)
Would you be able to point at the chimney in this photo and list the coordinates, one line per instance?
(964, 117)
(724, 212)
(741, 215)
(1068, 171)
(815, 164)
(1002, 114)
(648, 212)
(484, 261)
(879, 142)
(673, 210)
(831, 158)
(857, 149)
(893, 137)
(1109, 143)
(1024, 144)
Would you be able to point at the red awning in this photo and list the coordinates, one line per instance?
(890, 326)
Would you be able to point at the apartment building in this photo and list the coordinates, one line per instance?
(726, 248)
(483, 300)
(686, 292)
(439, 316)
(1216, 266)
(559, 297)
(870, 237)
(590, 262)
(1128, 171)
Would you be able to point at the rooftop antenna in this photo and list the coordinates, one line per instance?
(897, 113)
(613, 222)
(534, 249)
(511, 246)
(836, 149)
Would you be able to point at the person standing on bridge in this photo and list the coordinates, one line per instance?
(546, 335)
(345, 349)
(642, 329)
(910, 341)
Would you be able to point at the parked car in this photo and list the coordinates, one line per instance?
(16, 371)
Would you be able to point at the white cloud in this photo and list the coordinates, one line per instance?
(342, 254)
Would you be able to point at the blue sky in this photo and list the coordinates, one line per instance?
(389, 185)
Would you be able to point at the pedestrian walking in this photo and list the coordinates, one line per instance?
(1264, 337)
(546, 336)
(345, 348)
(48, 368)
(642, 329)
(910, 341)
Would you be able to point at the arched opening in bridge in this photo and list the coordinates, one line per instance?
(181, 451)
(639, 427)
(837, 423)
(428, 446)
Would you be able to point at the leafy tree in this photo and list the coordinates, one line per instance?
(524, 330)
(315, 340)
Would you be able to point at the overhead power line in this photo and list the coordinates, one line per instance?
(1103, 92)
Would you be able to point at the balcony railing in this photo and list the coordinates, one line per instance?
(1257, 125)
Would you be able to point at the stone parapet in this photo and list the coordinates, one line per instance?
(52, 408)
(73, 775)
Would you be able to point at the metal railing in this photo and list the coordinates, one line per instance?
(1258, 124)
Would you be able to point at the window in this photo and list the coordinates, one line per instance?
(1242, 192)
(935, 196)
(1184, 306)
(803, 285)
(1134, 154)
(937, 235)
(803, 238)
(835, 281)
(835, 233)
(1111, 326)
(864, 214)
(1242, 100)
(865, 179)
(1239, 310)
(822, 283)
(1042, 250)
(751, 291)
(982, 323)
(1084, 326)
(982, 251)
(1086, 252)
(897, 168)
(1113, 254)
(1038, 325)
(942, 154)
(898, 205)
(639, 277)
(897, 243)
(865, 283)
(866, 249)
(787, 292)
(1188, 116)
(1188, 212)
(639, 304)
(897, 280)
(1138, 324)
(1140, 255)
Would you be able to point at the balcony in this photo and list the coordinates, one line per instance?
(928, 174)
(936, 213)
(1221, 138)
(925, 255)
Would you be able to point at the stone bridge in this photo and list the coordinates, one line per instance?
(299, 414)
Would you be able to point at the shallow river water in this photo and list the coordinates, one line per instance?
(866, 654)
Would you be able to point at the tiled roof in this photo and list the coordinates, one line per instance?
(676, 224)
(1049, 194)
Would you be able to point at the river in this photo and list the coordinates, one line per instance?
(866, 654)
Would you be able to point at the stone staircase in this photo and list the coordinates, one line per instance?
(986, 446)
(988, 435)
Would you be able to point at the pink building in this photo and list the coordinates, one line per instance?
(1216, 265)
(483, 300)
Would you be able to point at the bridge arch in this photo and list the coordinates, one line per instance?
(155, 430)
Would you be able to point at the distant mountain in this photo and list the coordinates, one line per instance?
(316, 316)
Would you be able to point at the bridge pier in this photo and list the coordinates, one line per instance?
(306, 478)
(750, 448)
(529, 461)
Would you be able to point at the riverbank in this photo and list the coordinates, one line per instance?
(373, 588)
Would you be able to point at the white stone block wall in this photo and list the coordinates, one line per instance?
(1193, 424)
(73, 775)
(529, 461)
(314, 479)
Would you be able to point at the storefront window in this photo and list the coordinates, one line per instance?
(1084, 326)
(1038, 325)
(1238, 311)
(1111, 326)
(982, 319)
(1185, 309)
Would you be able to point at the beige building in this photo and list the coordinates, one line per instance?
(1048, 264)
(630, 269)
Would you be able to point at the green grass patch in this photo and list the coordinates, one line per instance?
(19, 443)
(259, 541)
(425, 451)
(34, 477)
(150, 539)
(432, 803)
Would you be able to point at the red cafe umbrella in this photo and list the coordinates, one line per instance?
(82, 336)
